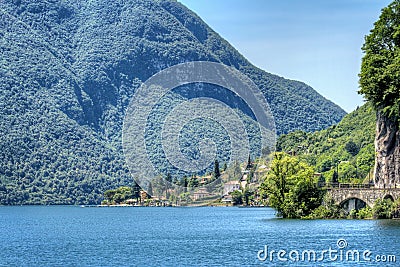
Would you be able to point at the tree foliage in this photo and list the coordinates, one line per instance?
(352, 148)
(121, 194)
(290, 187)
(380, 69)
(347, 147)
(216, 172)
(237, 197)
(328, 210)
(382, 209)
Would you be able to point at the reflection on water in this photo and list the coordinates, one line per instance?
(388, 224)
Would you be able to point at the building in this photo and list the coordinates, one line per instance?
(231, 186)
(201, 193)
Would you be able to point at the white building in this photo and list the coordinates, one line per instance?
(231, 186)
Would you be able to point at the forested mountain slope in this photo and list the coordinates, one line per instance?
(68, 70)
(347, 147)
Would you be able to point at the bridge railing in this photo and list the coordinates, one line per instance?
(346, 185)
(358, 186)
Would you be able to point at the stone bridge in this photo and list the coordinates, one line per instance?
(367, 195)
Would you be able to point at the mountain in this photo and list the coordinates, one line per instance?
(68, 72)
(347, 147)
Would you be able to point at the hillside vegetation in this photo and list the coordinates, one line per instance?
(68, 71)
(347, 148)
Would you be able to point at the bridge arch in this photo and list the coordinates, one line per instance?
(341, 196)
(353, 203)
(368, 195)
(388, 197)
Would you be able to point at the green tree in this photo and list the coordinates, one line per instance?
(150, 189)
(168, 178)
(352, 148)
(395, 211)
(325, 165)
(305, 197)
(380, 68)
(347, 172)
(328, 210)
(249, 164)
(135, 190)
(248, 194)
(193, 182)
(335, 177)
(290, 187)
(237, 197)
(382, 209)
(278, 181)
(109, 195)
(217, 172)
(184, 181)
(121, 194)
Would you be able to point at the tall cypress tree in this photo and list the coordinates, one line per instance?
(217, 172)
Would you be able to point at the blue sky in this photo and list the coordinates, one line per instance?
(314, 41)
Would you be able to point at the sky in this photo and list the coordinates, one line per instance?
(314, 41)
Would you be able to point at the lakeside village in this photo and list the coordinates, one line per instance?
(238, 185)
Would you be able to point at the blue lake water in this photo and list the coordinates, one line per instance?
(209, 236)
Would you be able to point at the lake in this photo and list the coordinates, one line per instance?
(208, 236)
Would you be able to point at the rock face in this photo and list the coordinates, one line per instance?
(387, 145)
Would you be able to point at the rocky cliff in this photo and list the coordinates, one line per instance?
(387, 144)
